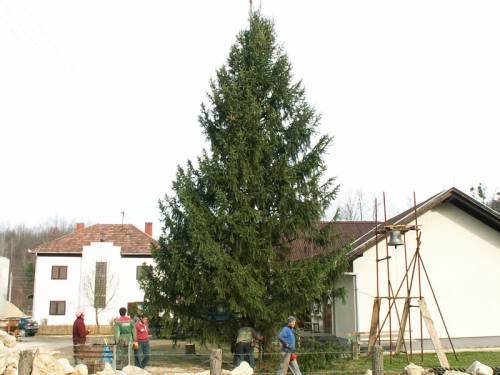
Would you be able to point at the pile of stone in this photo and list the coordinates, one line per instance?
(476, 368)
(41, 362)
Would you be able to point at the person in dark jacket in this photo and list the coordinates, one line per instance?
(246, 337)
(80, 333)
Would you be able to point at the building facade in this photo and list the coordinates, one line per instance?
(95, 268)
(460, 250)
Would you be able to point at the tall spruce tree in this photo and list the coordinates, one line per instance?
(236, 219)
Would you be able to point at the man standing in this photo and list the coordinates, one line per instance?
(287, 340)
(141, 354)
(124, 336)
(244, 343)
(80, 333)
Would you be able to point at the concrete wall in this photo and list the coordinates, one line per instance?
(46, 289)
(77, 290)
(462, 257)
(4, 278)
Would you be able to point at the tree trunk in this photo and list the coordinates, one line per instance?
(97, 321)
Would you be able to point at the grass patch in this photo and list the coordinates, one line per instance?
(164, 353)
(399, 362)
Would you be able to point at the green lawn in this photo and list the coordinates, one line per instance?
(165, 354)
(398, 363)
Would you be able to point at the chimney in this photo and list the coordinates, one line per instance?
(148, 228)
(79, 226)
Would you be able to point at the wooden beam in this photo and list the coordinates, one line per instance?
(443, 361)
(374, 324)
(402, 327)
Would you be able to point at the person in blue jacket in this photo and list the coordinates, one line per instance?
(287, 339)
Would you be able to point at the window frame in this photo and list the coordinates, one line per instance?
(59, 274)
(100, 284)
(56, 305)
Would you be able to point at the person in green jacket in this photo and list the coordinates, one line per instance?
(124, 336)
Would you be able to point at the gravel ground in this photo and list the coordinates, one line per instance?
(47, 342)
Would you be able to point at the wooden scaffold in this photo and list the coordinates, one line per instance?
(409, 290)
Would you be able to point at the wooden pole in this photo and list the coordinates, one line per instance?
(26, 362)
(216, 362)
(378, 360)
(113, 364)
(374, 324)
(402, 326)
(355, 350)
(443, 361)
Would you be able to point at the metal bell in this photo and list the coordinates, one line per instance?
(395, 238)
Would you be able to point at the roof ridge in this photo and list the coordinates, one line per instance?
(421, 208)
(128, 237)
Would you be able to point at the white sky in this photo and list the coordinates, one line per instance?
(99, 99)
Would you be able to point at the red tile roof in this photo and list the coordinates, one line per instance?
(347, 232)
(131, 240)
(453, 196)
(361, 234)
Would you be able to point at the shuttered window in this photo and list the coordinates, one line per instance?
(59, 272)
(57, 308)
(100, 284)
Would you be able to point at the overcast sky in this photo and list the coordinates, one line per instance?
(99, 98)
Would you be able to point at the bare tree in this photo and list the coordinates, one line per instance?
(480, 193)
(100, 288)
(354, 207)
(14, 244)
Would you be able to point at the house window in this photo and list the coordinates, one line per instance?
(100, 284)
(57, 308)
(59, 272)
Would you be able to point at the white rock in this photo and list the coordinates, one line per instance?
(8, 340)
(157, 370)
(133, 370)
(12, 358)
(243, 369)
(9, 359)
(453, 372)
(3, 364)
(368, 372)
(477, 368)
(67, 367)
(45, 363)
(108, 370)
(81, 369)
(11, 371)
(413, 369)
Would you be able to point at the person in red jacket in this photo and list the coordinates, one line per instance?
(80, 333)
(141, 354)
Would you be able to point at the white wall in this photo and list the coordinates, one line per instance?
(4, 278)
(77, 289)
(4, 283)
(345, 319)
(47, 290)
(462, 257)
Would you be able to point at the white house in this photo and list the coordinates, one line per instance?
(460, 249)
(94, 266)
